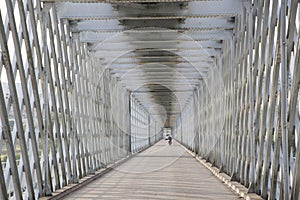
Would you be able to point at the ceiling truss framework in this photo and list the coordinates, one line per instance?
(154, 46)
(85, 83)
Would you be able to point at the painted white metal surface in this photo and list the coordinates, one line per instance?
(85, 83)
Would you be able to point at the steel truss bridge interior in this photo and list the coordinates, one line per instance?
(85, 83)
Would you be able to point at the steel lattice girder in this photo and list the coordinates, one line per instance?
(205, 64)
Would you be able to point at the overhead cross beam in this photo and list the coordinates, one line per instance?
(90, 9)
(187, 24)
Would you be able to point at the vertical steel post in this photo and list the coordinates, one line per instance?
(195, 113)
(155, 134)
(251, 97)
(283, 92)
(181, 135)
(233, 111)
(198, 117)
(149, 130)
(46, 123)
(130, 122)
(67, 80)
(74, 178)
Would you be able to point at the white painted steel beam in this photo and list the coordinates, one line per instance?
(97, 10)
(211, 35)
(146, 40)
(115, 25)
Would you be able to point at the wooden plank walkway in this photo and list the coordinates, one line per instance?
(160, 172)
